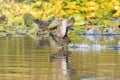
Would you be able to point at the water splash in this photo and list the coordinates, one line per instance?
(116, 47)
(111, 31)
(94, 30)
(86, 47)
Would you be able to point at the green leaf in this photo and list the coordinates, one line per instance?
(79, 18)
(34, 30)
(11, 31)
(78, 31)
(2, 29)
(27, 19)
(105, 22)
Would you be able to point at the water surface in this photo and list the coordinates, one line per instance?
(23, 58)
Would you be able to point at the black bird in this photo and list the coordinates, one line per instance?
(61, 35)
(43, 25)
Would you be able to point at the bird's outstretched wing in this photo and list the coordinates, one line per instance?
(46, 23)
(69, 25)
(54, 22)
(61, 29)
(71, 22)
(39, 22)
(36, 21)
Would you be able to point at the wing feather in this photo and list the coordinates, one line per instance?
(61, 30)
(71, 22)
(54, 22)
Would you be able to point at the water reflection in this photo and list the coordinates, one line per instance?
(61, 57)
(101, 66)
(21, 60)
(43, 42)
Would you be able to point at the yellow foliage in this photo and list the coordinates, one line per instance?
(91, 3)
(57, 8)
(117, 13)
(71, 5)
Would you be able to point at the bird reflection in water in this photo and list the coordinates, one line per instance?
(43, 42)
(62, 57)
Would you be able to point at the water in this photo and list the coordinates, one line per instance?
(23, 58)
